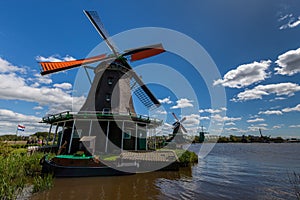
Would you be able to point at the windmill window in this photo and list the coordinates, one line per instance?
(110, 80)
(106, 111)
(107, 97)
(127, 135)
(113, 65)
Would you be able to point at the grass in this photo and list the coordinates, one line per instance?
(185, 157)
(18, 170)
(109, 157)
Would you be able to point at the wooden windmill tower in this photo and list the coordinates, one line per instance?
(117, 125)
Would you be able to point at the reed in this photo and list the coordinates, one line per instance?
(18, 170)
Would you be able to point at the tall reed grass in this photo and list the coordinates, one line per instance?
(19, 170)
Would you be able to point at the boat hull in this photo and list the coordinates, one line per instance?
(49, 166)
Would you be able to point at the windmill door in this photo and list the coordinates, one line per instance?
(142, 139)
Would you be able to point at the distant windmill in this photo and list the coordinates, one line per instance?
(178, 130)
(265, 139)
(177, 126)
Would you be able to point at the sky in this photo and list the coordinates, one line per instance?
(254, 45)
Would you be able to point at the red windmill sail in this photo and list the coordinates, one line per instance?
(51, 67)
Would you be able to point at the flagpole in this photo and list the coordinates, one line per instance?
(16, 134)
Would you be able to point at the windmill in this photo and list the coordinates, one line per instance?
(178, 130)
(110, 95)
(264, 139)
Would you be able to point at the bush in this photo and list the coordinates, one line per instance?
(187, 157)
(18, 170)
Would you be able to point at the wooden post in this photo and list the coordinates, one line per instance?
(73, 130)
(62, 135)
(146, 137)
(136, 136)
(122, 142)
(107, 133)
(90, 128)
(49, 134)
(154, 138)
(55, 134)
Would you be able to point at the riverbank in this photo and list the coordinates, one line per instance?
(20, 172)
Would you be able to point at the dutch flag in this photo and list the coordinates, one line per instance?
(21, 128)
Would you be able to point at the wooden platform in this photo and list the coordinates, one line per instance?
(154, 156)
(148, 160)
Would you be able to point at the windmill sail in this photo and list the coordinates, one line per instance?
(143, 89)
(144, 52)
(95, 20)
(142, 96)
(51, 67)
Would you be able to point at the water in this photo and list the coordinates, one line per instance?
(230, 171)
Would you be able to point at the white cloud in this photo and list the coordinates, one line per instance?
(277, 126)
(220, 118)
(295, 23)
(165, 100)
(9, 121)
(289, 63)
(255, 120)
(285, 17)
(245, 75)
(295, 126)
(36, 84)
(292, 22)
(259, 91)
(65, 86)
(8, 115)
(6, 67)
(54, 58)
(261, 125)
(296, 108)
(15, 87)
(183, 103)
(204, 118)
(213, 111)
(232, 129)
(39, 79)
(271, 112)
(192, 119)
(277, 98)
(230, 124)
(38, 108)
(256, 128)
(161, 112)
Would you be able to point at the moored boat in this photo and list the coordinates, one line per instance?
(75, 166)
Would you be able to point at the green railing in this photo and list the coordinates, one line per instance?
(91, 115)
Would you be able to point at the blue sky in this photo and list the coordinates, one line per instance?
(254, 44)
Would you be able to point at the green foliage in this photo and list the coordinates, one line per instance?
(10, 138)
(186, 157)
(18, 170)
(223, 140)
(110, 157)
(41, 183)
(5, 149)
(278, 140)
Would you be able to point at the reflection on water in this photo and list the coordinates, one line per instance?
(139, 186)
(230, 171)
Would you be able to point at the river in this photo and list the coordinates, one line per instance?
(229, 171)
